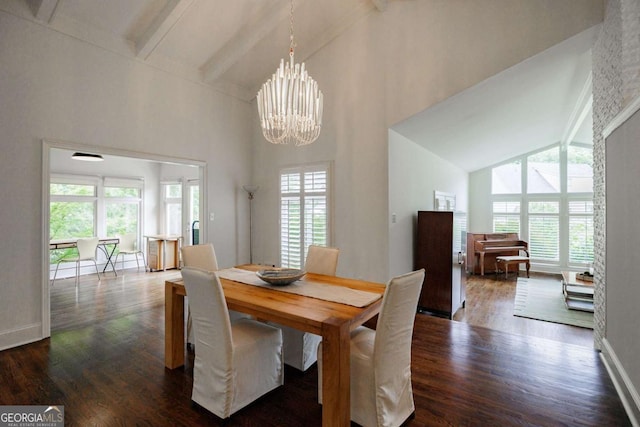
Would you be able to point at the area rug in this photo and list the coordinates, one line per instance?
(543, 300)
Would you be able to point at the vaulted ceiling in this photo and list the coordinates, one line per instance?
(235, 45)
(542, 101)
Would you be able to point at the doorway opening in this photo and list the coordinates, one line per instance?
(149, 171)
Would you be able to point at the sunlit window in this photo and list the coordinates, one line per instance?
(304, 212)
(544, 230)
(555, 213)
(506, 217)
(543, 172)
(507, 178)
(581, 231)
(72, 209)
(579, 170)
(172, 192)
(123, 202)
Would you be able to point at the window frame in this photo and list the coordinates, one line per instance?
(138, 184)
(77, 180)
(563, 198)
(506, 198)
(100, 201)
(169, 201)
(545, 198)
(529, 169)
(191, 188)
(578, 197)
(302, 170)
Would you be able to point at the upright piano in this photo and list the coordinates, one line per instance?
(483, 248)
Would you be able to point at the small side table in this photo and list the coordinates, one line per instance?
(578, 294)
(163, 251)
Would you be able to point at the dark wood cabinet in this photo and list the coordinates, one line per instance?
(440, 250)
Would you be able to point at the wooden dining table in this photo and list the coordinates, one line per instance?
(333, 321)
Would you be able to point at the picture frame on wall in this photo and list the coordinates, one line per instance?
(444, 201)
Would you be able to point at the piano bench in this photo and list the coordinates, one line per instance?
(509, 260)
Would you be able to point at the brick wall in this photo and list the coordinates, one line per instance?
(616, 82)
(630, 17)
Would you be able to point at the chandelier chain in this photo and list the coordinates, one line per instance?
(292, 44)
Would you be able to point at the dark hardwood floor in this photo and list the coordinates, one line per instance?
(105, 363)
(489, 303)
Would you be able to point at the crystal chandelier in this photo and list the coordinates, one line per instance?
(290, 103)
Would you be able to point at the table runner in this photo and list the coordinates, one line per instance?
(308, 288)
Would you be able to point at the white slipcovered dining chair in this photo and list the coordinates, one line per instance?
(235, 363)
(127, 245)
(301, 348)
(322, 260)
(381, 392)
(86, 252)
(202, 256)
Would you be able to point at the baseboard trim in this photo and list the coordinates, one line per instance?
(21, 336)
(626, 390)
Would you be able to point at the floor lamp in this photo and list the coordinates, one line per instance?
(251, 190)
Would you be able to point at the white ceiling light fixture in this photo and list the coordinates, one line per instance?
(290, 103)
(87, 157)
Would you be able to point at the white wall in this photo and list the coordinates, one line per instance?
(385, 68)
(480, 219)
(55, 87)
(414, 174)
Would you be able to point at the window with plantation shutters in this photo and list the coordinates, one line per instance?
(581, 231)
(547, 197)
(544, 230)
(304, 212)
(506, 217)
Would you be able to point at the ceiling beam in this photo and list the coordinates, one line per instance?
(580, 111)
(161, 25)
(251, 34)
(247, 38)
(381, 5)
(43, 10)
(348, 19)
